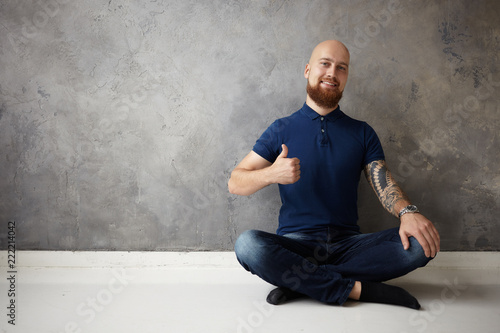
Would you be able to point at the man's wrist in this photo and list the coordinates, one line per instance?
(408, 209)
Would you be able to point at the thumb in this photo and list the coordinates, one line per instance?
(284, 152)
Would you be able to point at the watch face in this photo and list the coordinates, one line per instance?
(412, 208)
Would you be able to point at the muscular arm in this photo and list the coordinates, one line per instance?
(254, 173)
(394, 199)
(388, 192)
(250, 175)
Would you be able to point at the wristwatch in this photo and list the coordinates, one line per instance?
(408, 209)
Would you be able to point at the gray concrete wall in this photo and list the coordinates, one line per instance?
(120, 121)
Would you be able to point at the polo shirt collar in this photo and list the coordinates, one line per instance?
(332, 116)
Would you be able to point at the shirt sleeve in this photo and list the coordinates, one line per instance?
(268, 145)
(373, 147)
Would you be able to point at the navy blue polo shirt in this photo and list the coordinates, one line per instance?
(333, 150)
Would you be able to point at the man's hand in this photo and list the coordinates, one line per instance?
(416, 225)
(285, 170)
(255, 172)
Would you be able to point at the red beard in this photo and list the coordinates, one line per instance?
(325, 98)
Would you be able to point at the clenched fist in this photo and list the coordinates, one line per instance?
(285, 170)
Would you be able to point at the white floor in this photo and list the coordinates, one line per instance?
(208, 292)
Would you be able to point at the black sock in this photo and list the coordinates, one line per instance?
(377, 292)
(281, 295)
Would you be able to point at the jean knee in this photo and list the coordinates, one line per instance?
(416, 253)
(245, 245)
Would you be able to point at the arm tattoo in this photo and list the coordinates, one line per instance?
(384, 185)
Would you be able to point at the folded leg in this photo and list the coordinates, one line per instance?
(290, 263)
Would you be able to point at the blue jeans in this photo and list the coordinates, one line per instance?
(324, 265)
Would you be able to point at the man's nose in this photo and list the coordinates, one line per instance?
(331, 72)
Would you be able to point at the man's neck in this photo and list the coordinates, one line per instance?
(319, 110)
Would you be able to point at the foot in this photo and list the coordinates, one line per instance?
(377, 292)
(282, 295)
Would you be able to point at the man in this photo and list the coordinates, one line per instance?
(316, 155)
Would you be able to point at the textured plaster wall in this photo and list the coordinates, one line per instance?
(120, 121)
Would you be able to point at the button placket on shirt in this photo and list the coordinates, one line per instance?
(324, 138)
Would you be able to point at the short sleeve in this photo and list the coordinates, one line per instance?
(373, 147)
(268, 145)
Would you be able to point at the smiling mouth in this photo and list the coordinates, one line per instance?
(330, 84)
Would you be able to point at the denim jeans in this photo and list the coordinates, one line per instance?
(324, 265)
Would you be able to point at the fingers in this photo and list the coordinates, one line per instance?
(430, 237)
(293, 169)
(433, 239)
(421, 239)
(404, 240)
(428, 246)
(436, 238)
(423, 230)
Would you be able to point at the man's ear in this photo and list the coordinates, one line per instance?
(306, 71)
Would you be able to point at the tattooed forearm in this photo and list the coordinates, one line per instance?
(385, 186)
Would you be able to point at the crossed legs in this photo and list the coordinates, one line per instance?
(331, 269)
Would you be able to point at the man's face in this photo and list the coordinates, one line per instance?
(327, 73)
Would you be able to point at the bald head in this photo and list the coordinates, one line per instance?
(330, 46)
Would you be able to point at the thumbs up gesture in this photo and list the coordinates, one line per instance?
(285, 170)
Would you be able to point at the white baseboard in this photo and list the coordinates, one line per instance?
(107, 259)
(96, 259)
(446, 266)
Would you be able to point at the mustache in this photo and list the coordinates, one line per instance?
(332, 80)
